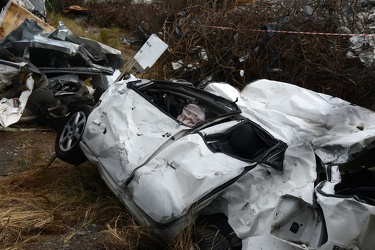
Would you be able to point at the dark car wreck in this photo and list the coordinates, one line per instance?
(268, 167)
(27, 95)
(65, 71)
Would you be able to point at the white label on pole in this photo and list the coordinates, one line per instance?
(153, 48)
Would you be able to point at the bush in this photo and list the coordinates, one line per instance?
(209, 41)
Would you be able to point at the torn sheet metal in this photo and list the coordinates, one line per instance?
(8, 71)
(39, 8)
(55, 53)
(14, 92)
(297, 222)
(362, 48)
(357, 218)
(357, 17)
(97, 50)
(36, 7)
(61, 51)
(250, 202)
(25, 31)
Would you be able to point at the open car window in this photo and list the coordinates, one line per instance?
(187, 104)
(249, 142)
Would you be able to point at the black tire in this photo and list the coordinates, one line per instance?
(67, 141)
(210, 238)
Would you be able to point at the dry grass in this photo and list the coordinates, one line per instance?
(62, 200)
(130, 236)
(36, 202)
(56, 204)
(110, 36)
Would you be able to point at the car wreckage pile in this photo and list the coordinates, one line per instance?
(46, 74)
(273, 166)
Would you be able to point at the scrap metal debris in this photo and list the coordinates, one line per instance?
(46, 71)
(13, 14)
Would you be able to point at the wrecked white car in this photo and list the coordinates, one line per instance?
(275, 166)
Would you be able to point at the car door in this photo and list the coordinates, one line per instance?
(130, 126)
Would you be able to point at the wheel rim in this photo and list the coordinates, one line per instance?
(72, 131)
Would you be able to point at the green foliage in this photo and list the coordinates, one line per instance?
(23, 163)
(110, 37)
(38, 156)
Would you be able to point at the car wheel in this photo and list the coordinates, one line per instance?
(67, 141)
(210, 238)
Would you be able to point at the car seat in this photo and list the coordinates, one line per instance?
(241, 141)
(244, 141)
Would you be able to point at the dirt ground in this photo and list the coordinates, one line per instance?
(46, 204)
(25, 147)
(29, 150)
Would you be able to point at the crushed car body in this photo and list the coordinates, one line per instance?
(27, 95)
(325, 136)
(14, 13)
(62, 52)
(70, 70)
(268, 158)
(13, 101)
